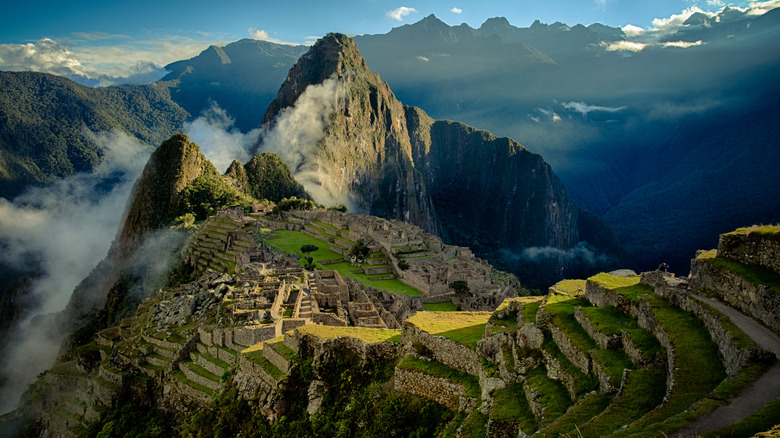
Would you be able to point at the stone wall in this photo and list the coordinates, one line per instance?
(760, 302)
(434, 388)
(732, 356)
(600, 296)
(251, 335)
(451, 353)
(751, 249)
(603, 340)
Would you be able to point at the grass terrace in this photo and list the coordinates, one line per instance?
(438, 369)
(462, 327)
(554, 396)
(698, 369)
(629, 287)
(510, 404)
(561, 307)
(447, 306)
(611, 321)
(571, 287)
(584, 383)
(770, 230)
(589, 407)
(756, 275)
(643, 391)
(291, 242)
(367, 335)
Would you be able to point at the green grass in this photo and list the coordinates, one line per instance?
(291, 242)
(757, 275)
(510, 404)
(571, 287)
(530, 310)
(328, 226)
(644, 390)
(367, 335)
(584, 383)
(438, 369)
(553, 395)
(611, 321)
(277, 344)
(629, 287)
(561, 307)
(447, 306)
(183, 379)
(587, 408)
(613, 363)
(256, 356)
(199, 370)
(466, 328)
(475, 425)
(772, 230)
(698, 369)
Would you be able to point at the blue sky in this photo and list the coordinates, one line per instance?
(104, 40)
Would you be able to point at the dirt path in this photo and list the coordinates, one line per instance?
(759, 393)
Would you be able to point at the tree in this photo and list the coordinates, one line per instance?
(360, 251)
(460, 287)
(306, 249)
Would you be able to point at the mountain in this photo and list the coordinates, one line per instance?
(45, 118)
(467, 185)
(629, 129)
(242, 77)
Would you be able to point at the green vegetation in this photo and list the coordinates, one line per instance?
(208, 194)
(447, 306)
(611, 321)
(587, 408)
(268, 177)
(367, 335)
(510, 404)
(643, 391)
(530, 309)
(131, 419)
(767, 230)
(561, 307)
(475, 425)
(571, 287)
(757, 275)
(583, 382)
(438, 369)
(463, 327)
(460, 287)
(629, 287)
(553, 395)
(698, 369)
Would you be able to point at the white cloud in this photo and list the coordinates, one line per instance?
(631, 31)
(718, 3)
(400, 13)
(66, 228)
(262, 35)
(219, 140)
(98, 59)
(456, 10)
(682, 44)
(625, 46)
(423, 59)
(295, 137)
(759, 8)
(584, 109)
(675, 22)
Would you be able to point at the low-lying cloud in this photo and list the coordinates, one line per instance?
(63, 231)
(583, 108)
(582, 253)
(296, 134)
(219, 140)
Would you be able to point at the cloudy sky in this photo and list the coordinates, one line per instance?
(107, 42)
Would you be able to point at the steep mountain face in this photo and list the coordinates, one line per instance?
(365, 152)
(473, 188)
(43, 135)
(241, 77)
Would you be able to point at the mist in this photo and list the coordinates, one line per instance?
(296, 134)
(219, 139)
(63, 230)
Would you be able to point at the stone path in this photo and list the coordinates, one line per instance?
(755, 396)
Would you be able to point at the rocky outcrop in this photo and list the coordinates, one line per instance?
(752, 247)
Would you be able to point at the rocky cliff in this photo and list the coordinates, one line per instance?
(465, 184)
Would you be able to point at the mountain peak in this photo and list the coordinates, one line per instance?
(333, 54)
